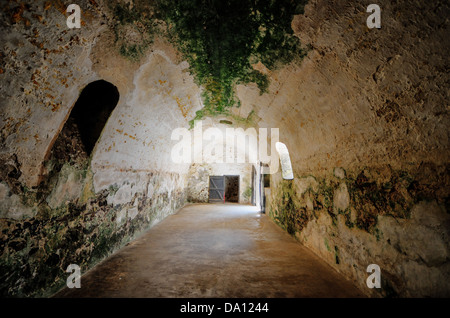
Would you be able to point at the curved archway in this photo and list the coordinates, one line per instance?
(92, 109)
(285, 160)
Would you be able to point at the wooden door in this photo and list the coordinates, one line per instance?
(216, 188)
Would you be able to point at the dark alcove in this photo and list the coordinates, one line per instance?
(232, 188)
(92, 110)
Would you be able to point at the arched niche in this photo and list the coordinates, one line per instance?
(85, 123)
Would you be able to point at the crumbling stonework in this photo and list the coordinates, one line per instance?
(59, 206)
(374, 216)
(364, 116)
(81, 229)
(365, 120)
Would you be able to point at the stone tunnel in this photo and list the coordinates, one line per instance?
(117, 117)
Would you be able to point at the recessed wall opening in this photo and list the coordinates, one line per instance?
(216, 189)
(266, 180)
(285, 160)
(224, 189)
(92, 109)
(232, 189)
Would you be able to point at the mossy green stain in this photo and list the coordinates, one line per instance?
(326, 244)
(287, 211)
(368, 200)
(336, 255)
(138, 19)
(247, 193)
(221, 39)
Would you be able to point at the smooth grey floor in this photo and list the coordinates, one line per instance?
(214, 250)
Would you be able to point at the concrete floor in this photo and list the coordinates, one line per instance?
(216, 251)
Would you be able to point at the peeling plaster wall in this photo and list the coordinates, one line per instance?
(365, 119)
(361, 96)
(234, 157)
(79, 209)
(136, 139)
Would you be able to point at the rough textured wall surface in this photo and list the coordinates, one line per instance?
(65, 221)
(365, 120)
(44, 66)
(60, 206)
(198, 183)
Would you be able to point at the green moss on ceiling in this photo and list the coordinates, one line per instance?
(221, 39)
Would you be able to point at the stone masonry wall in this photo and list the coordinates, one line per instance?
(65, 221)
(398, 220)
(369, 144)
